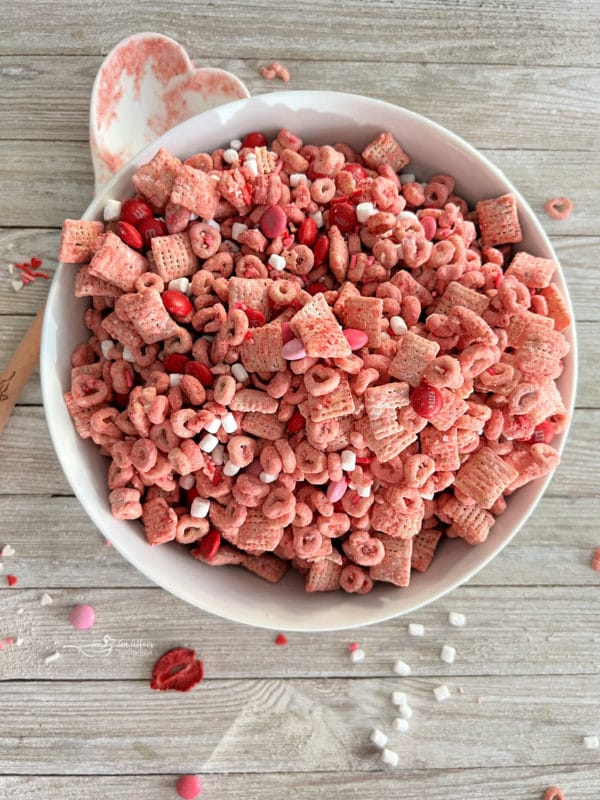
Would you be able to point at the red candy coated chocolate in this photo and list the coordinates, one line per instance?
(130, 235)
(151, 227)
(199, 371)
(255, 139)
(135, 210)
(427, 401)
(176, 303)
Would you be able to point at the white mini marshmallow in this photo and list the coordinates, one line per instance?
(187, 481)
(230, 156)
(213, 426)
(364, 211)
(401, 668)
(251, 165)
(239, 372)
(399, 724)
(208, 443)
(237, 229)
(106, 346)
(398, 326)
(441, 693)
(415, 629)
(399, 698)
(213, 223)
(591, 742)
(19, 641)
(456, 619)
(112, 210)
(235, 144)
(200, 507)
(267, 477)
(348, 459)
(277, 262)
(128, 355)
(228, 423)
(407, 215)
(448, 654)
(364, 491)
(389, 757)
(180, 285)
(385, 336)
(318, 218)
(218, 455)
(230, 469)
(296, 178)
(250, 156)
(52, 657)
(378, 738)
(175, 378)
(405, 711)
(407, 177)
(357, 655)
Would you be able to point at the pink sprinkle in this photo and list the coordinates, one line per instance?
(355, 338)
(429, 226)
(370, 260)
(353, 646)
(9, 640)
(106, 543)
(352, 263)
(336, 490)
(480, 699)
(189, 787)
(293, 350)
(128, 379)
(82, 617)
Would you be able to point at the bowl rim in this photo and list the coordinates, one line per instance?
(93, 211)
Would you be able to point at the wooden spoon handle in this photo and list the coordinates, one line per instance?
(16, 374)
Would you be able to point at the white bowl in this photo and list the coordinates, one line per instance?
(319, 117)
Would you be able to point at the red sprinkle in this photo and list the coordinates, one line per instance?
(130, 235)
(498, 278)
(210, 544)
(362, 460)
(353, 646)
(315, 288)
(12, 580)
(295, 423)
(36, 262)
(217, 478)
(281, 639)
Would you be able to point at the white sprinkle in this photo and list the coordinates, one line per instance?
(230, 469)
(20, 610)
(398, 326)
(318, 218)
(19, 641)
(213, 426)
(46, 599)
(180, 285)
(17, 285)
(128, 355)
(239, 372)
(267, 477)
(389, 757)
(364, 491)
(52, 657)
(112, 210)
(230, 156)
(187, 481)
(407, 177)
(405, 711)
(106, 346)
(1, 567)
(357, 655)
(235, 144)
(208, 443)
(364, 211)
(228, 423)
(296, 178)
(448, 654)
(591, 742)
(456, 619)
(378, 738)
(11, 269)
(415, 629)
(277, 262)
(348, 459)
(218, 455)
(251, 165)
(7, 551)
(175, 378)
(200, 507)
(441, 693)
(399, 698)
(237, 229)
(401, 668)
(399, 724)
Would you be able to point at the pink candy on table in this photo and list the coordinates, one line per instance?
(82, 617)
(189, 787)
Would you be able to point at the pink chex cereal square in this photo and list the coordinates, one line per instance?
(156, 178)
(386, 519)
(196, 191)
(557, 307)
(412, 357)
(442, 447)
(395, 567)
(484, 476)
(117, 263)
(258, 532)
(262, 352)
(173, 256)
(384, 149)
(382, 404)
(251, 292)
(148, 315)
(263, 426)
(253, 400)
(533, 271)
(79, 240)
(267, 566)
(453, 407)
(424, 545)
(87, 285)
(333, 405)
(364, 314)
(315, 324)
(470, 522)
(122, 331)
(323, 576)
(456, 294)
(160, 521)
(498, 221)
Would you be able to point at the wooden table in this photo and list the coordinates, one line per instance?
(521, 82)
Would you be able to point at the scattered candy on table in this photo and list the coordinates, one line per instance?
(189, 787)
(82, 617)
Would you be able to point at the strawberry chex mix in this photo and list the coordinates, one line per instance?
(303, 356)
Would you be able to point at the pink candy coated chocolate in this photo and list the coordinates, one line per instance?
(293, 350)
(355, 338)
(336, 490)
(429, 226)
(189, 787)
(273, 222)
(82, 617)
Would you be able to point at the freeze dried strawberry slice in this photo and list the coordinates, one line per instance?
(177, 670)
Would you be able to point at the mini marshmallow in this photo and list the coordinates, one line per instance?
(357, 655)
(405, 711)
(112, 210)
(399, 698)
(237, 229)
(277, 262)
(364, 211)
(441, 693)
(180, 285)
(230, 156)
(407, 215)
(348, 459)
(46, 600)
(398, 326)
(250, 156)
(228, 423)
(218, 455)
(456, 619)
(128, 355)
(213, 426)
(389, 757)
(230, 469)
(591, 742)
(208, 443)
(364, 491)
(213, 223)
(52, 657)
(106, 346)
(407, 177)
(235, 144)
(401, 668)
(318, 218)
(187, 481)
(378, 738)
(267, 477)
(399, 724)
(175, 378)
(296, 178)
(19, 641)
(415, 629)
(448, 654)
(200, 507)
(251, 164)
(239, 372)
